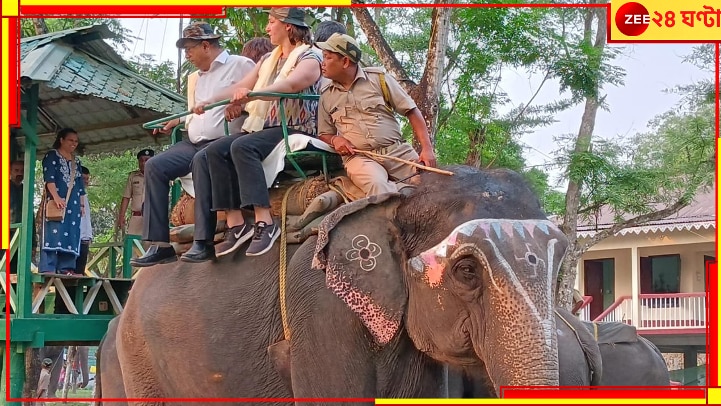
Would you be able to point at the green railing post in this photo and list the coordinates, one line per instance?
(176, 190)
(128, 243)
(17, 372)
(24, 286)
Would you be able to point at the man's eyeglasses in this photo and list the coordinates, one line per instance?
(189, 47)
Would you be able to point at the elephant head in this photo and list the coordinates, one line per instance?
(467, 264)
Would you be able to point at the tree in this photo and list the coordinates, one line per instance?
(162, 73)
(648, 177)
(426, 92)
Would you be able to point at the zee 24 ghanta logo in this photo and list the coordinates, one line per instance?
(632, 18)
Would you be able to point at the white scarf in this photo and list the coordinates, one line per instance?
(258, 109)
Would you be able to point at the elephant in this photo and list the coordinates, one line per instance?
(628, 358)
(606, 354)
(461, 271)
(580, 364)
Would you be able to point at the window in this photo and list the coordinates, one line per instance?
(661, 274)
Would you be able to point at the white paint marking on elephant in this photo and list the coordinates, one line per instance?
(416, 263)
(550, 257)
(516, 283)
(364, 251)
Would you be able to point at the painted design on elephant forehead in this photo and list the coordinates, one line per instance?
(433, 269)
(364, 251)
(382, 325)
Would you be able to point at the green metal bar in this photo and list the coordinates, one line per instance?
(24, 287)
(17, 373)
(284, 125)
(176, 190)
(127, 254)
(156, 123)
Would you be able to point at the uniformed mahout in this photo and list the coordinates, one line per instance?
(356, 113)
(134, 196)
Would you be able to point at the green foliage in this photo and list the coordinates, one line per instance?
(108, 176)
(121, 39)
(162, 73)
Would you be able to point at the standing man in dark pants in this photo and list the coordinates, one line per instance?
(86, 227)
(218, 72)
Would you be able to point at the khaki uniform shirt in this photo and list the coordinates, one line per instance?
(359, 114)
(135, 190)
(44, 381)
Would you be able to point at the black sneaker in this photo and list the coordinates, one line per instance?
(263, 239)
(234, 238)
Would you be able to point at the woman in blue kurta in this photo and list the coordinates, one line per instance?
(61, 239)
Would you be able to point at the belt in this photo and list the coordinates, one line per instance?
(137, 213)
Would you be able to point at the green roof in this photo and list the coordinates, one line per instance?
(86, 85)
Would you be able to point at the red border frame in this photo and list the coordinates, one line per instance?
(515, 392)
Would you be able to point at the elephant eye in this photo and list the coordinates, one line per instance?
(465, 271)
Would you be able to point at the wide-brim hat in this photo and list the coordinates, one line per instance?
(196, 31)
(289, 15)
(47, 362)
(342, 44)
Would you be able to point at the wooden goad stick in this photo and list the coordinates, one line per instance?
(411, 163)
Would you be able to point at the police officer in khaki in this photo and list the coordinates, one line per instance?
(134, 195)
(356, 113)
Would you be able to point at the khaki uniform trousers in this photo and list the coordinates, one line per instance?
(376, 175)
(135, 225)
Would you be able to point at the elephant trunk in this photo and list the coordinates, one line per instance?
(517, 353)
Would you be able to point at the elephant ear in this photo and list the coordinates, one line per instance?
(359, 249)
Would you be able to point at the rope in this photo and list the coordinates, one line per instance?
(340, 192)
(283, 268)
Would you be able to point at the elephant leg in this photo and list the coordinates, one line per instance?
(109, 377)
(83, 363)
(139, 377)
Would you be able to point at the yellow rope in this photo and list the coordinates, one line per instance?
(283, 267)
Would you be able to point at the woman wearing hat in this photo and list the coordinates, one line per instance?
(292, 67)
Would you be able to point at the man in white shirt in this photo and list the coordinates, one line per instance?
(217, 71)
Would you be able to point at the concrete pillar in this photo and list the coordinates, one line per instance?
(635, 286)
(690, 358)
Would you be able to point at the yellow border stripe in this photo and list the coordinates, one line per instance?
(7, 43)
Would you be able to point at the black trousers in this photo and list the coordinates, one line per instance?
(82, 259)
(218, 172)
(160, 170)
(247, 153)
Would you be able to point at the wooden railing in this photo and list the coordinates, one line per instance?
(673, 311)
(105, 261)
(620, 311)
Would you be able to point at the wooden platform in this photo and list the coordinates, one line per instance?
(87, 289)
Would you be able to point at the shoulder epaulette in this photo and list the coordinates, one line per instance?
(374, 69)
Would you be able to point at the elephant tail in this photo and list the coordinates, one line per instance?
(589, 345)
